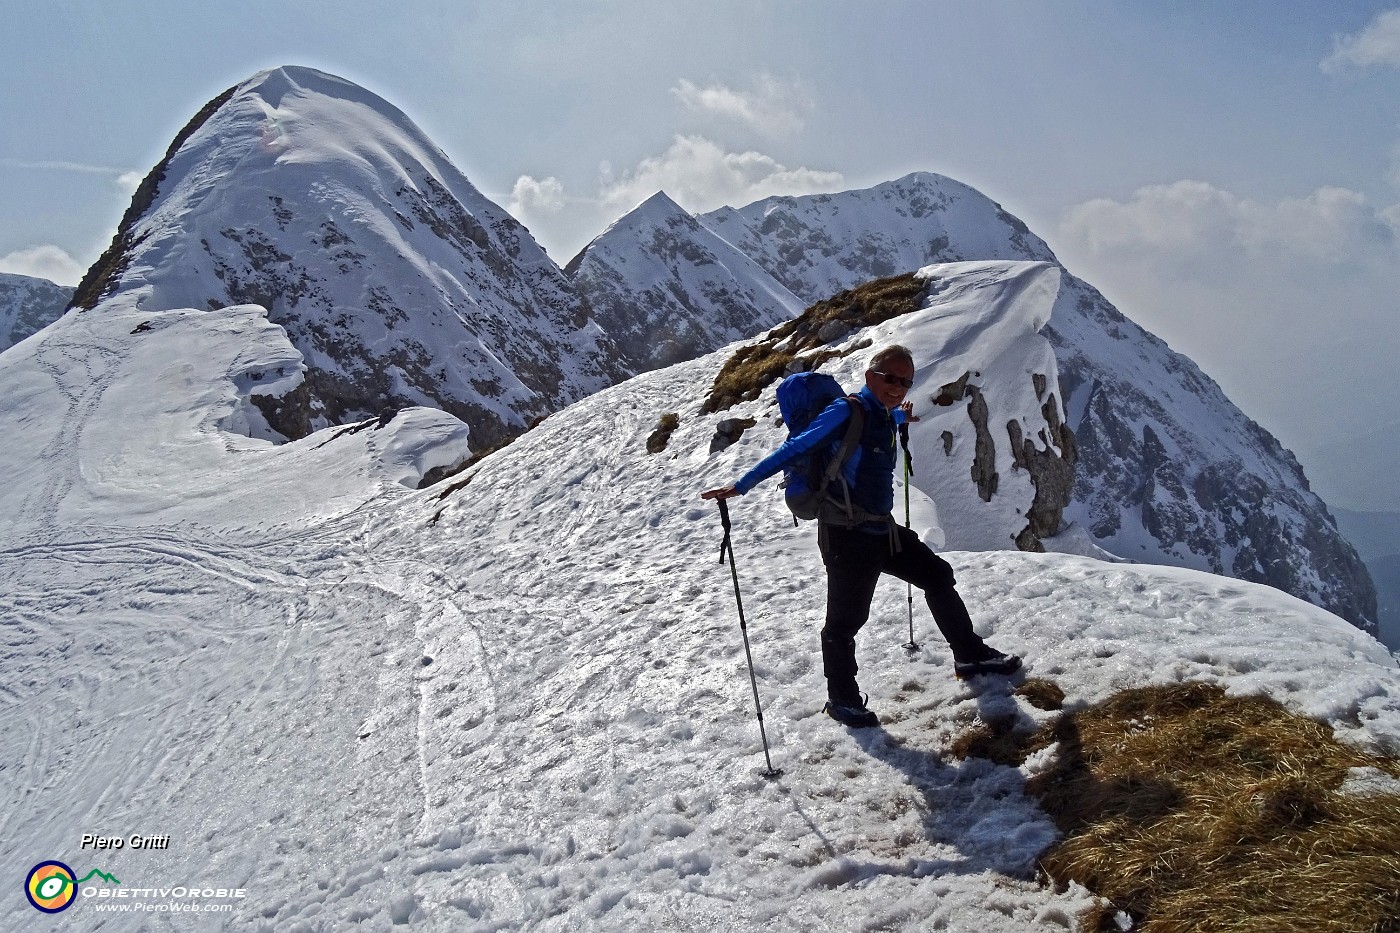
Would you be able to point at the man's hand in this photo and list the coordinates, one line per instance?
(908, 409)
(723, 492)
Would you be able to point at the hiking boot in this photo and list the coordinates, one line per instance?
(851, 713)
(989, 661)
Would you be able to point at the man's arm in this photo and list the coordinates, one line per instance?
(822, 430)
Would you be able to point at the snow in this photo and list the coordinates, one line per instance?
(818, 245)
(518, 699)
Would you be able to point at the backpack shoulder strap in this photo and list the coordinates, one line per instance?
(855, 426)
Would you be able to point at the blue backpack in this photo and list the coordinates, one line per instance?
(801, 397)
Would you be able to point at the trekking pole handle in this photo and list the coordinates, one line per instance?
(724, 546)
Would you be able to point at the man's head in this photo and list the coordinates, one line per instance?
(890, 374)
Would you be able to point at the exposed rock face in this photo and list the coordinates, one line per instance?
(28, 305)
(1172, 472)
(397, 280)
(984, 459)
(666, 289)
(1051, 466)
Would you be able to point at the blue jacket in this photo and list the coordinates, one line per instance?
(869, 472)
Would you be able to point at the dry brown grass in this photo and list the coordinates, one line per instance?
(1196, 811)
(999, 740)
(753, 367)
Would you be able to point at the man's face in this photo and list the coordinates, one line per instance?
(890, 394)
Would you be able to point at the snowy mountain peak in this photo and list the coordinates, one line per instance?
(399, 282)
(818, 245)
(666, 288)
(657, 207)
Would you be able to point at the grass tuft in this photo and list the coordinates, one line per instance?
(802, 340)
(1194, 810)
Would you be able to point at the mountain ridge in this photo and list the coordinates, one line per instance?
(1213, 491)
(401, 285)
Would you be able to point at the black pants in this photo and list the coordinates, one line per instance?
(854, 561)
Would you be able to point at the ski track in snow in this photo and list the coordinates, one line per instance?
(525, 704)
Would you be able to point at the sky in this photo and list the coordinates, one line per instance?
(1227, 173)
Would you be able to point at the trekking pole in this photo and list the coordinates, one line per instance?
(727, 547)
(910, 645)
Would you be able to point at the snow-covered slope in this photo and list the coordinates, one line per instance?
(397, 280)
(520, 701)
(666, 289)
(27, 305)
(148, 419)
(1170, 471)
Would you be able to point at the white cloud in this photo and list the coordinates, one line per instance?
(534, 195)
(1391, 215)
(1182, 217)
(1377, 44)
(1279, 300)
(123, 177)
(129, 181)
(1194, 222)
(700, 175)
(53, 165)
(773, 107)
(44, 262)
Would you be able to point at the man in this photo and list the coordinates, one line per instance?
(857, 551)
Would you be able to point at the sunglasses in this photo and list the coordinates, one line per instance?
(894, 380)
